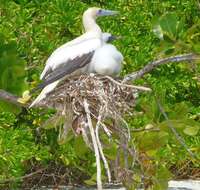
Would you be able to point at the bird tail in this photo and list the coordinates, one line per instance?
(43, 93)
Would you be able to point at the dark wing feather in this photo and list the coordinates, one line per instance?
(65, 69)
(49, 71)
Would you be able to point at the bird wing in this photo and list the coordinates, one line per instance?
(65, 69)
(69, 51)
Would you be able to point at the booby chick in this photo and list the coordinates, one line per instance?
(69, 54)
(107, 60)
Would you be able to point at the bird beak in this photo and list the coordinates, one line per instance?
(113, 37)
(103, 12)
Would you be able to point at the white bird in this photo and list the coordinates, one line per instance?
(106, 60)
(72, 53)
(88, 42)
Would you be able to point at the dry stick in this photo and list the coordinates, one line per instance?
(101, 149)
(107, 131)
(8, 97)
(170, 125)
(85, 137)
(22, 177)
(149, 67)
(94, 141)
(142, 88)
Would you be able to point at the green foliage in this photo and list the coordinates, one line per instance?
(11, 71)
(16, 146)
(31, 29)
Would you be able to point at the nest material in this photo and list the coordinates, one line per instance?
(100, 92)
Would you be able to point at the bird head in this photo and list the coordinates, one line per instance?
(97, 12)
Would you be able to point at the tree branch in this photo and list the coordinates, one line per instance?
(178, 137)
(100, 146)
(152, 65)
(94, 141)
(22, 177)
(8, 97)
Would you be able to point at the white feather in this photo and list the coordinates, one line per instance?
(107, 60)
(44, 92)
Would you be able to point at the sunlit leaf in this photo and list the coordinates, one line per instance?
(191, 130)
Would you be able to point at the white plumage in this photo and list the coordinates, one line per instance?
(107, 60)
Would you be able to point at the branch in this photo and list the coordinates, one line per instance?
(142, 88)
(178, 137)
(145, 129)
(152, 65)
(100, 146)
(8, 97)
(94, 141)
(22, 177)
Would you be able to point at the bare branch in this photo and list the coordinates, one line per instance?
(22, 177)
(142, 88)
(94, 141)
(170, 125)
(100, 146)
(145, 129)
(152, 65)
(11, 98)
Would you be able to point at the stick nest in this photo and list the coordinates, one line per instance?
(107, 98)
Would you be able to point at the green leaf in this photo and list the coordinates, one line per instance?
(168, 24)
(111, 152)
(191, 130)
(162, 177)
(92, 180)
(151, 140)
(80, 147)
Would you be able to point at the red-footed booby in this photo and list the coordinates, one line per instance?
(76, 53)
(84, 44)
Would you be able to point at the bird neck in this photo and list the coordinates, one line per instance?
(90, 24)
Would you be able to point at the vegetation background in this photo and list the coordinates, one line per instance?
(152, 29)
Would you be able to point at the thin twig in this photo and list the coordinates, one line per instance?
(142, 88)
(170, 125)
(144, 129)
(94, 141)
(152, 65)
(85, 136)
(100, 146)
(107, 131)
(22, 177)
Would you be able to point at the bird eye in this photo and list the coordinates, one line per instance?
(99, 11)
